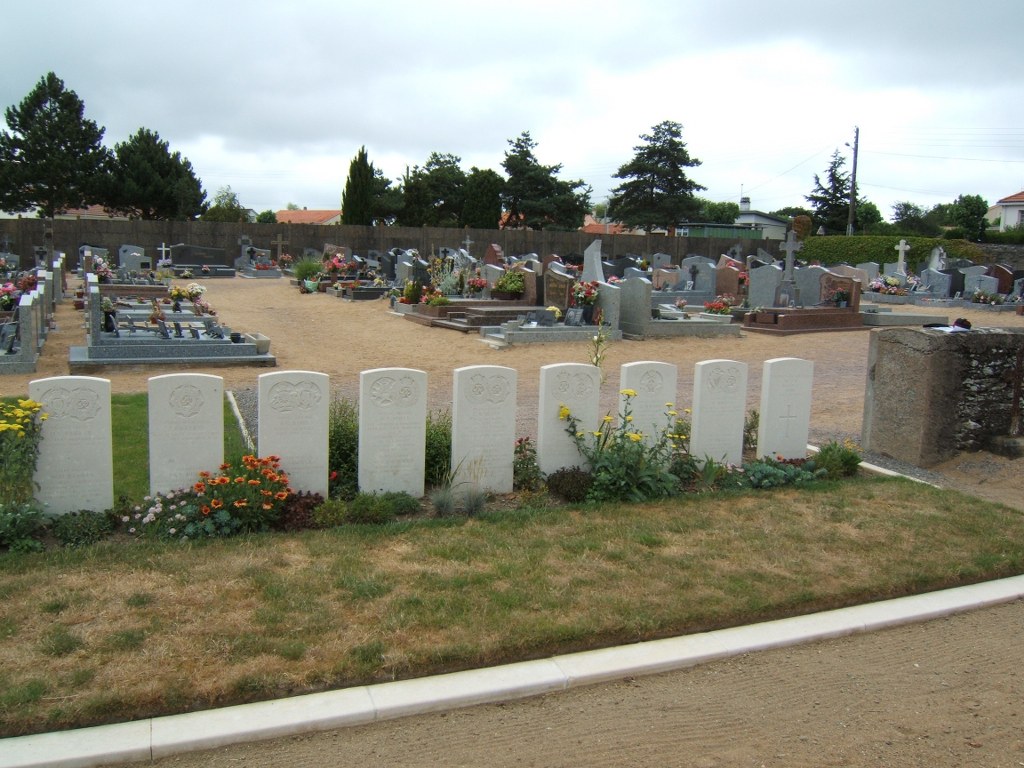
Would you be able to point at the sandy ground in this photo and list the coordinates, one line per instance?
(322, 333)
(945, 693)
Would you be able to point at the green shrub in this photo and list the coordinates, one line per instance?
(79, 529)
(770, 473)
(380, 508)
(444, 501)
(750, 425)
(343, 449)
(570, 483)
(526, 474)
(838, 459)
(330, 514)
(400, 503)
(626, 465)
(882, 248)
(21, 526)
(412, 292)
(307, 269)
(438, 459)
(474, 500)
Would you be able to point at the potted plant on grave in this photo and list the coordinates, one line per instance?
(841, 298)
(475, 285)
(307, 273)
(719, 309)
(8, 297)
(511, 285)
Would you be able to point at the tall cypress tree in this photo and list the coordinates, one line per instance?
(357, 199)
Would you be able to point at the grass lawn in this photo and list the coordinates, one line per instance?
(127, 629)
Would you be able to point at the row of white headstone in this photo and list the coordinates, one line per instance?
(186, 426)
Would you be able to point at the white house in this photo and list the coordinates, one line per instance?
(772, 227)
(1011, 211)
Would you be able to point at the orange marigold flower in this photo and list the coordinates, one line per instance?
(199, 487)
(204, 474)
(281, 495)
(239, 479)
(204, 509)
(224, 467)
(265, 492)
(267, 506)
(216, 503)
(241, 503)
(254, 482)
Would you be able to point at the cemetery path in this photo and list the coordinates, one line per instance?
(944, 693)
(342, 338)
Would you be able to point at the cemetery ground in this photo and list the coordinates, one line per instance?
(130, 629)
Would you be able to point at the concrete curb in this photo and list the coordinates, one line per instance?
(159, 737)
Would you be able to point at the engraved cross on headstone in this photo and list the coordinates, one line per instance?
(901, 265)
(279, 242)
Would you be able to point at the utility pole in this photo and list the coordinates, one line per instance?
(853, 183)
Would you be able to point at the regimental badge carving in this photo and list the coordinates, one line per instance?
(488, 389)
(387, 392)
(652, 382)
(722, 378)
(80, 404)
(186, 401)
(573, 386)
(286, 396)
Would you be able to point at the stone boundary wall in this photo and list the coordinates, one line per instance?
(931, 395)
(70, 234)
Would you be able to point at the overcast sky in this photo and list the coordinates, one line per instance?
(275, 99)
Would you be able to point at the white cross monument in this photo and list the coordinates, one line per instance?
(787, 295)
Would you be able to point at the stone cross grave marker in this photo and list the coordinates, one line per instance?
(186, 429)
(785, 408)
(76, 466)
(575, 386)
(293, 422)
(901, 263)
(165, 252)
(719, 411)
(392, 430)
(484, 426)
(786, 294)
(655, 387)
(279, 242)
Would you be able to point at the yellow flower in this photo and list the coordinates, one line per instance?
(628, 392)
(686, 410)
(636, 437)
(672, 413)
(607, 419)
(596, 433)
(580, 434)
(629, 419)
(668, 405)
(563, 413)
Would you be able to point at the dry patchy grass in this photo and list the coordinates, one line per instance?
(124, 630)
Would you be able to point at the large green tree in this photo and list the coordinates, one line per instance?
(830, 199)
(717, 213)
(656, 192)
(226, 207)
(534, 196)
(969, 214)
(482, 207)
(151, 182)
(368, 197)
(433, 196)
(51, 157)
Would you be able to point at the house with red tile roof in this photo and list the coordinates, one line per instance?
(309, 217)
(1011, 211)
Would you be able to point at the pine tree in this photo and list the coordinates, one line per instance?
(357, 199)
(830, 200)
(51, 158)
(151, 182)
(657, 193)
(534, 196)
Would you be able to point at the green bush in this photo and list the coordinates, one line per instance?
(769, 473)
(438, 457)
(444, 501)
(570, 483)
(838, 459)
(526, 474)
(343, 449)
(79, 529)
(512, 281)
(330, 514)
(882, 249)
(307, 269)
(380, 508)
(21, 526)
(412, 292)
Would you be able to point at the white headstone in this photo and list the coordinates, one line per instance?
(719, 411)
(484, 426)
(592, 269)
(76, 462)
(186, 429)
(392, 430)
(655, 387)
(294, 412)
(785, 415)
(575, 386)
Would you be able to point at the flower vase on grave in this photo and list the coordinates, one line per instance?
(176, 306)
(588, 314)
(109, 323)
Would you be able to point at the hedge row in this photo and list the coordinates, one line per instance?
(882, 249)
